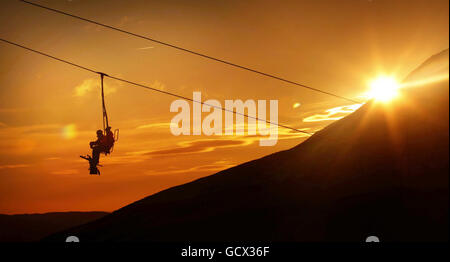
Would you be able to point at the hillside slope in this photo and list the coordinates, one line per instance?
(382, 170)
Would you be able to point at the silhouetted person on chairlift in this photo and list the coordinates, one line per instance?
(103, 144)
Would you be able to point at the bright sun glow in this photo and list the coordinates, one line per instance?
(384, 88)
(69, 131)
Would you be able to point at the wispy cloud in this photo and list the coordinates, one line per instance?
(13, 166)
(53, 158)
(41, 129)
(199, 146)
(124, 159)
(154, 125)
(65, 172)
(9, 133)
(124, 20)
(334, 113)
(210, 168)
(158, 85)
(145, 48)
(90, 85)
(85, 87)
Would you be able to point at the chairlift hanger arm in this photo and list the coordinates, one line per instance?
(105, 114)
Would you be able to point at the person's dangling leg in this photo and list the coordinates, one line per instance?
(96, 155)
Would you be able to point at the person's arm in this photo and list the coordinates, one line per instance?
(94, 143)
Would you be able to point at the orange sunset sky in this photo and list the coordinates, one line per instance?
(49, 111)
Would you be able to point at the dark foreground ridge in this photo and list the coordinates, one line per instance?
(382, 171)
(33, 227)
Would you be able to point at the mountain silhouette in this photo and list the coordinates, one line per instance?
(33, 227)
(382, 170)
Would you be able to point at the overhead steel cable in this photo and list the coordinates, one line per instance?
(191, 51)
(150, 88)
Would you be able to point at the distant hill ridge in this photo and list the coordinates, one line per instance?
(33, 227)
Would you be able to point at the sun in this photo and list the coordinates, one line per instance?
(69, 131)
(383, 88)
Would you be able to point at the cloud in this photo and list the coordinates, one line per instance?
(92, 84)
(65, 172)
(145, 48)
(53, 158)
(158, 85)
(41, 129)
(334, 113)
(92, 27)
(60, 130)
(155, 125)
(126, 20)
(209, 145)
(283, 133)
(85, 87)
(124, 159)
(123, 20)
(13, 166)
(199, 146)
(211, 168)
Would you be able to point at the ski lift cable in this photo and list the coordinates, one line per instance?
(147, 87)
(191, 51)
